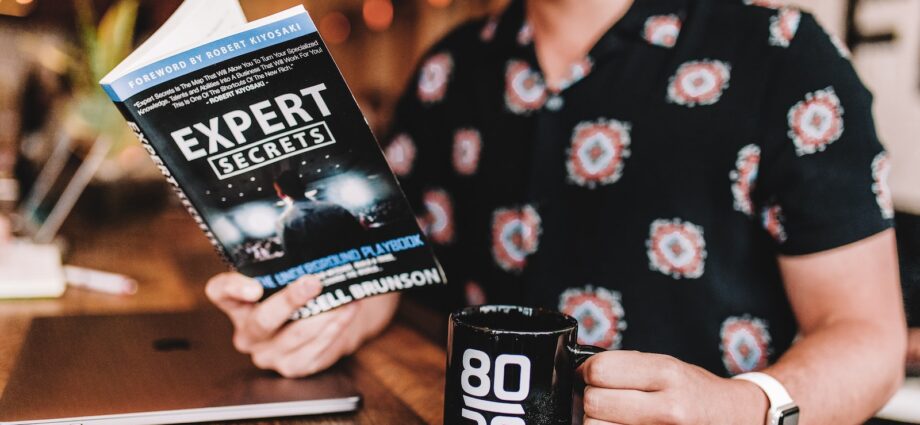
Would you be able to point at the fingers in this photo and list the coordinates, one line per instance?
(913, 347)
(300, 333)
(299, 349)
(234, 294)
(631, 370)
(620, 406)
(6, 230)
(232, 287)
(592, 421)
(630, 387)
(323, 351)
(269, 315)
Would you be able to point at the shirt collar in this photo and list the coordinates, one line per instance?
(512, 31)
(512, 36)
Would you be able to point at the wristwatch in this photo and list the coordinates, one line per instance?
(782, 411)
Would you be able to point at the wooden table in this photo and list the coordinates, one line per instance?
(400, 373)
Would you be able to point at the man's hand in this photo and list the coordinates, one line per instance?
(299, 348)
(633, 388)
(913, 348)
(6, 230)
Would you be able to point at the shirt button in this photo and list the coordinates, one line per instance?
(555, 103)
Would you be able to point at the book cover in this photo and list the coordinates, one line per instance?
(266, 147)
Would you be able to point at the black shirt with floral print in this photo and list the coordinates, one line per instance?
(650, 194)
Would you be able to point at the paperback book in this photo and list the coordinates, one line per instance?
(257, 131)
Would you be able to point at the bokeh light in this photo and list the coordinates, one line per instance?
(335, 28)
(378, 14)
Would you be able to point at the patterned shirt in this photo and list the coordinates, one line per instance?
(650, 194)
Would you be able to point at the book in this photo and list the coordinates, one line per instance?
(257, 131)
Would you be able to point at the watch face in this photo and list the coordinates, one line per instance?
(789, 416)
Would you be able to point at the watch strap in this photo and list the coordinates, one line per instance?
(776, 393)
(774, 390)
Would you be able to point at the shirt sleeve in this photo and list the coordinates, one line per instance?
(823, 171)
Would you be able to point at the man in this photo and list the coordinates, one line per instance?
(311, 228)
(695, 180)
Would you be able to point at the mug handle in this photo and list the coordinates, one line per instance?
(580, 353)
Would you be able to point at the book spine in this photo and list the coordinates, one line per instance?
(135, 124)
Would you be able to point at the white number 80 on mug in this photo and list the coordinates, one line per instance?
(476, 383)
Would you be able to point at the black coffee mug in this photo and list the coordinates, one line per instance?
(509, 365)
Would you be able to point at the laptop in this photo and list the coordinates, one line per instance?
(154, 369)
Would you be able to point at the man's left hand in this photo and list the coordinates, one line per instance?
(633, 388)
(6, 230)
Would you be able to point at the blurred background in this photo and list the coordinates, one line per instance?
(53, 52)
(56, 51)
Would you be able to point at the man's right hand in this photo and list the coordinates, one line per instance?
(299, 348)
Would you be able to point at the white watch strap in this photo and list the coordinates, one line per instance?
(775, 391)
